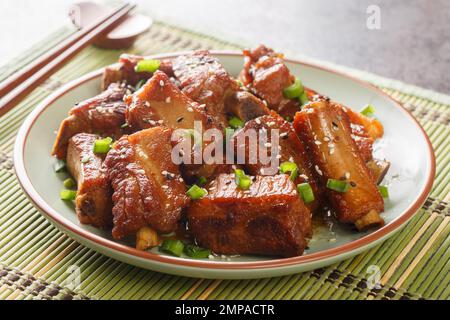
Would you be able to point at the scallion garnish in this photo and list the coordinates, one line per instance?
(59, 165)
(195, 192)
(140, 84)
(338, 185)
(174, 247)
(68, 194)
(306, 192)
(242, 180)
(69, 183)
(369, 110)
(236, 123)
(150, 65)
(201, 181)
(289, 167)
(196, 252)
(384, 191)
(294, 90)
(228, 133)
(102, 145)
(303, 98)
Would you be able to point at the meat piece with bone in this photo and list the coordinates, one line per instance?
(267, 219)
(266, 74)
(288, 148)
(160, 102)
(103, 115)
(93, 202)
(325, 128)
(205, 80)
(148, 188)
(124, 71)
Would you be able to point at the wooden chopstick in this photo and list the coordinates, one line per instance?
(23, 74)
(19, 92)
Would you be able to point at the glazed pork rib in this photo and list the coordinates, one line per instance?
(267, 219)
(266, 75)
(291, 149)
(124, 71)
(148, 188)
(93, 202)
(325, 129)
(204, 80)
(160, 103)
(103, 115)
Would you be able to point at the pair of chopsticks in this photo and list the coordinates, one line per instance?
(16, 87)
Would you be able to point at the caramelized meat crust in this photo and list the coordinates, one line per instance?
(124, 71)
(93, 203)
(325, 129)
(148, 188)
(103, 115)
(291, 149)
(205, 80)
(266, 75)
(158, 103)
(267, 219)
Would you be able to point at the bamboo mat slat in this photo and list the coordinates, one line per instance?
(35, 258)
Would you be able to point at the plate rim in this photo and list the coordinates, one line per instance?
(347, 249)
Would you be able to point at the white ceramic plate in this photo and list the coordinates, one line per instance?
(405, 144)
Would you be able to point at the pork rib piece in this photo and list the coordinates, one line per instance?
(266, 75)
(267, 219)
(205, 80)
(325, 129)
(148, 188)
(93, 202)
(124, 71)
(103, 115)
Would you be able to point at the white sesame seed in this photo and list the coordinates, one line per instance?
(318, 170)
(267, 144)
(291, 159)
(278, 156)
(347, 175)
(318, 142)
(326, 139)
(165, 187)
(147, 104)
(161, 83)
(190, 109)
(168, 100)
(258, 121)
(284, 134)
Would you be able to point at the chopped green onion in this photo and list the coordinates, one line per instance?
(174, 247)
(85, 159)
(140, 84)
(384, 191)
(69, 183)
(102, 145)
(291, 167)
(303, 98)
(124, 126)
(236, 123)
(306, 192)
(228, 133)
(239, 82)
(201, 181)
(196, 252)
(338, 185)
(294, 90)
(59, 165)
(369, 110)
(150, 65)
(242, 181)
(195, 192)
(68, 194)
(288, 119)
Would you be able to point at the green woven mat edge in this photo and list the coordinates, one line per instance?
(343, 280)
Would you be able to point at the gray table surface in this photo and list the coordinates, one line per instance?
(412, 43)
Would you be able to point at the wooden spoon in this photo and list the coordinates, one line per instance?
(122, 37)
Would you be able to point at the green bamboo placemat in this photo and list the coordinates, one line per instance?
(36, 259)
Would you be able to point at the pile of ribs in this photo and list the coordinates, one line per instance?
(137, 190)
